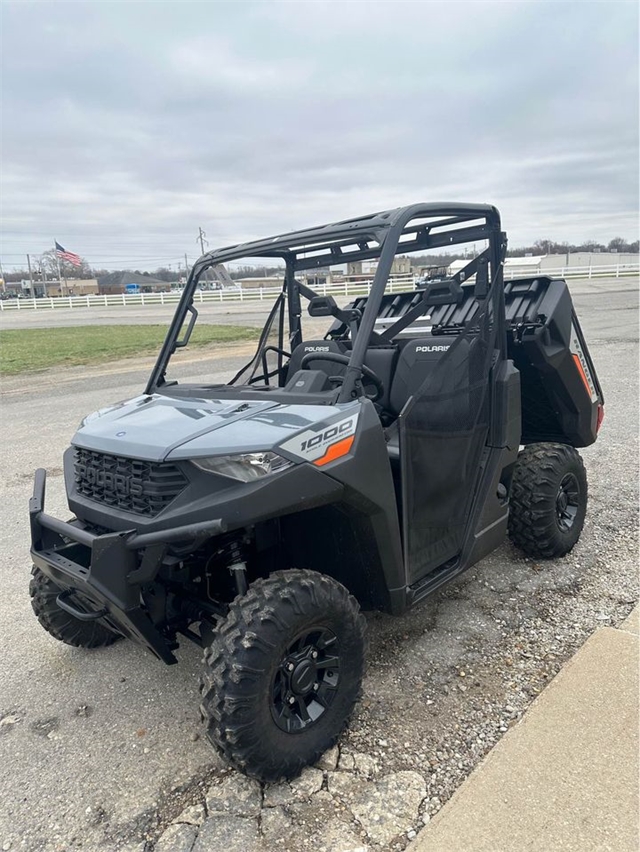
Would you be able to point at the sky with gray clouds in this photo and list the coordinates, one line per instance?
(126, 125)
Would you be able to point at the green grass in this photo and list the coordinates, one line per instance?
(23, 351)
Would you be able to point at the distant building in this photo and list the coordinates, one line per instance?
(591, 258)
(253, 282)
(70, 287)
(123, 282)
(319, 277)
(367, 268)
(543, 263)
(364, 270)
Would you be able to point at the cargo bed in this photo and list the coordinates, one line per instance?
(561, 397)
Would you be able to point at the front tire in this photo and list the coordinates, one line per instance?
(62, 626)
(283, 673)
(548, 500)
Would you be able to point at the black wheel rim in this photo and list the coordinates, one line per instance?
(567, 502)
(306, 680)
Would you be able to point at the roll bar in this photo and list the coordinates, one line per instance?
(379, 235)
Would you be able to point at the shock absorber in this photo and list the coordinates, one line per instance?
(237, 566)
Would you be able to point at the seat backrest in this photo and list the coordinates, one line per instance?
(318, 346)
(416, 361)
(382, 360)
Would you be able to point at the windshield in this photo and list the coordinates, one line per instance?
(268, 361)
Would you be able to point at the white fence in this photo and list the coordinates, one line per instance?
(397, 284)
(615, 270)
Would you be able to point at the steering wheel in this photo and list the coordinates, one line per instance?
(337, 358)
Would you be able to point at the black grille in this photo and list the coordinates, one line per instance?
(141, 487)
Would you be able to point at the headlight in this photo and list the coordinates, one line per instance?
(245, 467)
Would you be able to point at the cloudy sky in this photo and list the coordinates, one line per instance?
(126, 125)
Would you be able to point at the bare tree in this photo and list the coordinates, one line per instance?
(49, 263)
(621, 245)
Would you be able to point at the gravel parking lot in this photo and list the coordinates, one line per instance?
(102, 750)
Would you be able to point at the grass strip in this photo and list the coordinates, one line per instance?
(28, 350)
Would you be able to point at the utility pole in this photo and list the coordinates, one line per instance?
(33, 290)
(186, 267)
(201, 238)
(4, 286)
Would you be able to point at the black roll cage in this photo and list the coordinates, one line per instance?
(379, 235)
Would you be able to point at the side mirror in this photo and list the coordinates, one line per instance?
(323, 306)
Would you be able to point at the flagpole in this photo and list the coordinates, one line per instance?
(55, 251)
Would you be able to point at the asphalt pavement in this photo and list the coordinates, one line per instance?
(91, 743)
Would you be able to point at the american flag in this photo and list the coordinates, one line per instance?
(74, 259)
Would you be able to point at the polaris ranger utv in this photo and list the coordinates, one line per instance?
(365, 468)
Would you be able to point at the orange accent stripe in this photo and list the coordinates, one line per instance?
(335, 451)
(576, 358)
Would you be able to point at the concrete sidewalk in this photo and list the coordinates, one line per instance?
(566, 777)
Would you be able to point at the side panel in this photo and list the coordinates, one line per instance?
(443, 431)
(561, 395)
(506, 427)
(489, 513)
(357, 538)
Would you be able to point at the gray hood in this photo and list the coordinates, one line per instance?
(157, 427)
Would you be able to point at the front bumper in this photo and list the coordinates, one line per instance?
(108, 570)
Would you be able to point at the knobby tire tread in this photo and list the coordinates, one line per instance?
(252, 631)
(60, 624)
(536, 479)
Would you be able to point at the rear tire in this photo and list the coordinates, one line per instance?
(548, 500)
(283, 673)
(62, 626)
